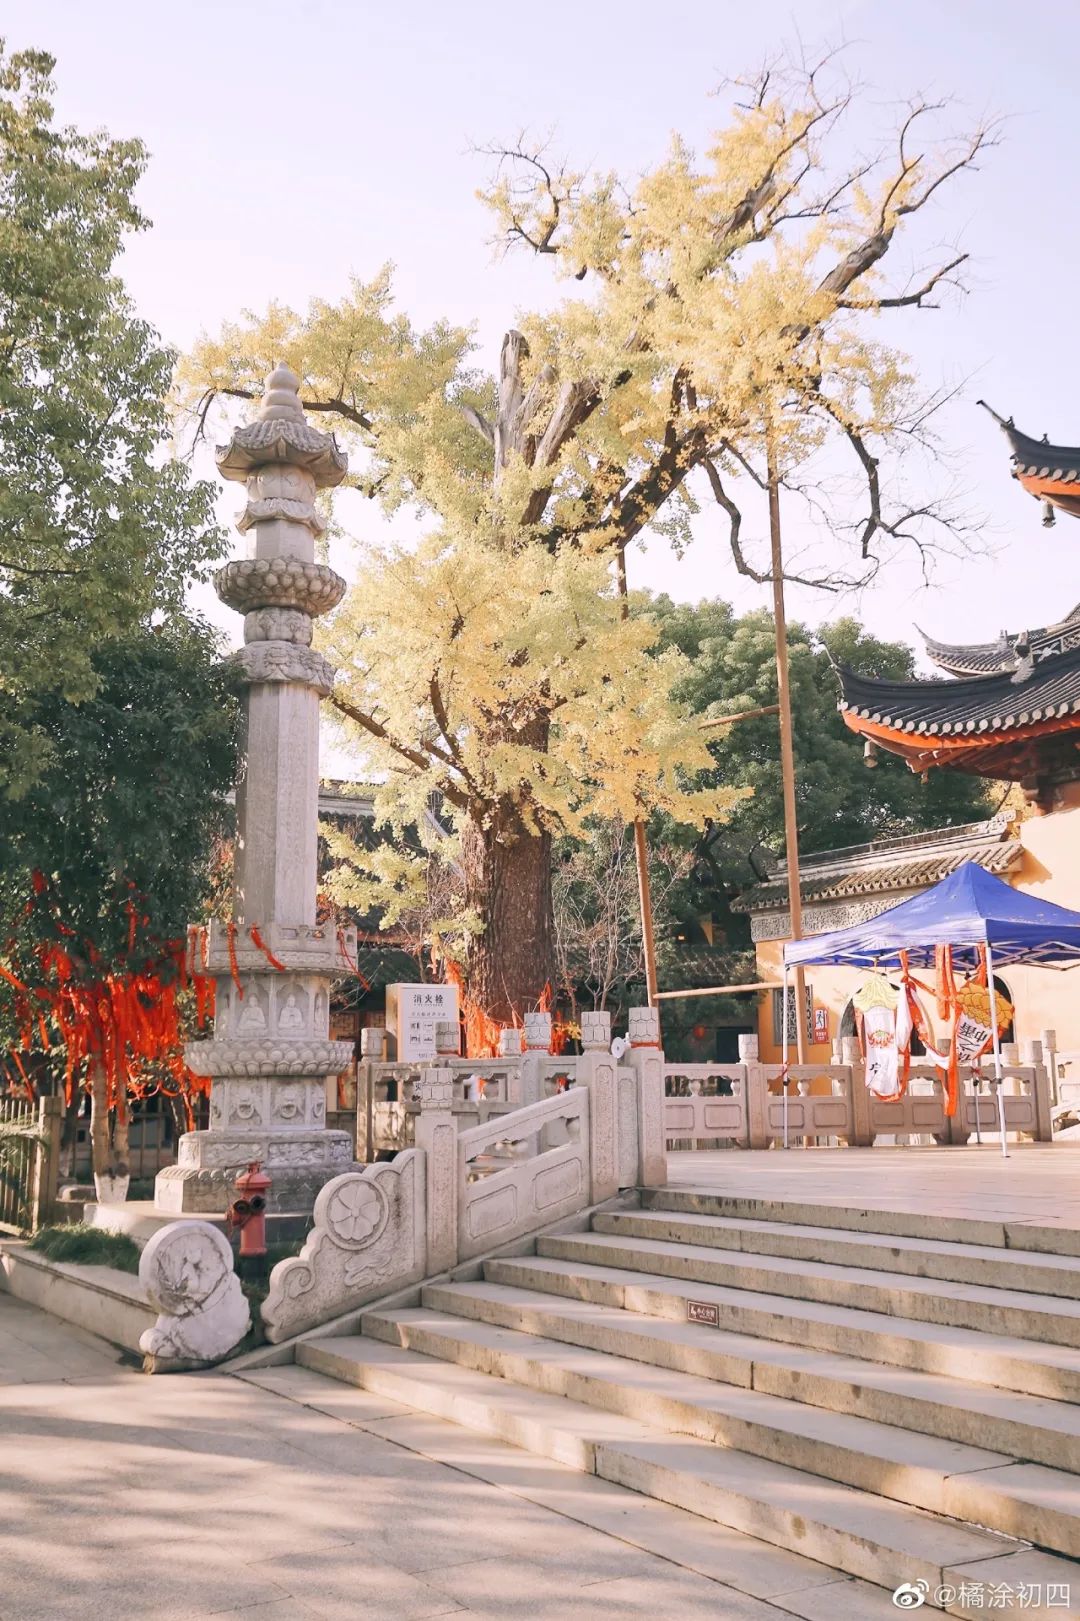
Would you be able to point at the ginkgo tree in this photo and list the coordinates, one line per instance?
(720, 304)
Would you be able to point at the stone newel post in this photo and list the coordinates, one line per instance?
(535, 1054)
(271, 1054)
(646, 1058)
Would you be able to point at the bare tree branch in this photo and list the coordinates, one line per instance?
(418, 757)
(900, 300)
(334, 407)
(477, 420)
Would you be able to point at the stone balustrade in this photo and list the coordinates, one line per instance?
(744, 1105)
(466, 1187)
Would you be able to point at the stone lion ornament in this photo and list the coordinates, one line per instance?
(187, 1272)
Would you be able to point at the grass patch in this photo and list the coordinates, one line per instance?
(87, 1246)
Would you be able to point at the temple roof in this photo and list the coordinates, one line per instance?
(1043, 693)
(1009, 651)
(1023, 727)
(1049, 472)
(914, 861)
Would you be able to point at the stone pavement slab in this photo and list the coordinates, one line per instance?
(126, 1498)
(1036, 1188)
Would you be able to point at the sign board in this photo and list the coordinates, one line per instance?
(703, 1311)
(821, 1024)
(413, 1011)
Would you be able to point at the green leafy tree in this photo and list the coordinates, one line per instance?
(732, 668)
(98, 527)
(114, 847)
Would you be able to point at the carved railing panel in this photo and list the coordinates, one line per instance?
(1067, 1079)
(523, 1171)
(705, 1102)
(812, 1111)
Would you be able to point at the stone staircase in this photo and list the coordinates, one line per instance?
(894, 1407)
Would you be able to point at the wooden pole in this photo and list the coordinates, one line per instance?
(641, 851)
(722, 990)
(787, 751)
(743, 714)
(641, 848)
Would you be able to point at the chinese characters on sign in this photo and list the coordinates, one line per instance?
(413, 1011)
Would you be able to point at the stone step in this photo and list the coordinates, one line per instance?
(959, 1305)
(1020, 1426)
(738, 1564)
(566, 1431)
(980, 1264)
(874, 1538)
(1032, 1236)
(946, 1477)
(992, 1359)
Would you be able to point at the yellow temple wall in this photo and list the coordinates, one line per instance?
(1045, 999)
(832, 990)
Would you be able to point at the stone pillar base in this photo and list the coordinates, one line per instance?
(298, 1164)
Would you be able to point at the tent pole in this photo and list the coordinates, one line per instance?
(783, 1071)
(997, 1049)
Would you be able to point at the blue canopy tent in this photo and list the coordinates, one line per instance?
(969, 910)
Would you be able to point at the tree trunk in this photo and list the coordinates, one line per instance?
(101, 1149)
(508, 883)
(121, 1148)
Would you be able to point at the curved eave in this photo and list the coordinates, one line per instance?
(982, 754)
(1048, 472)
(1060, 492)
(978, 658)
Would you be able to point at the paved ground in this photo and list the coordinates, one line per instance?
(1039, 1183)
(124, 1498)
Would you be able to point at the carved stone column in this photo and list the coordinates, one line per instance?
(271, 1052)
(436, 1134)
(535, 1053)
(646, 1058)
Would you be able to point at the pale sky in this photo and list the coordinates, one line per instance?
(294, 142)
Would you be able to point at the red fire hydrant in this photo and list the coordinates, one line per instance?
(247, 1213)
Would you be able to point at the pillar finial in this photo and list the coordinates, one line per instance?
(281, 398)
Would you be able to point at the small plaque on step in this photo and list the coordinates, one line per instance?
(703, 1311)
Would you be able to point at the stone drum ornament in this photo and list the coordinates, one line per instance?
(187, 1271)
(271, 1053)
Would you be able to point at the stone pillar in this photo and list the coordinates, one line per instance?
(646, 1058)
(510, 1040)
(372, 1052)
(271, 1052)
(373, 1045)
(436, 1134)
(537, 1050)
(596, 1070)
(1049, 1045)
(754, 1090)
(1034, 1052)
(447, 1039)
(596, 1032)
